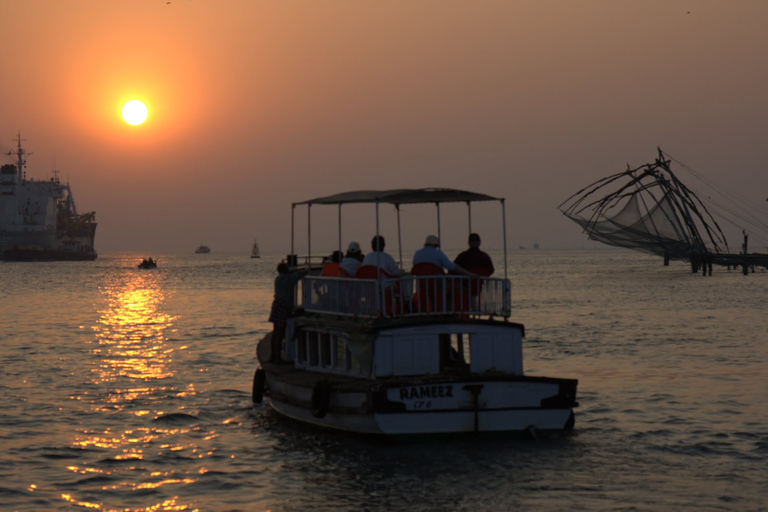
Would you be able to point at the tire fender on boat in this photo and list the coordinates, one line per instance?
(259, 384)
(321, 398)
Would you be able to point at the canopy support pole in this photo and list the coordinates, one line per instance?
(469, 214)
(293, 228)
(399, 236)
(504, 226)
(340, 230)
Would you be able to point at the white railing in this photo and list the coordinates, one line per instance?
(407, 296)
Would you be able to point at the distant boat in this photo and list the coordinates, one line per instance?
(150, 263)
(255, 250)
(203, 249)
(536, 245)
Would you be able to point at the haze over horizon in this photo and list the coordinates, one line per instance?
(255, 105)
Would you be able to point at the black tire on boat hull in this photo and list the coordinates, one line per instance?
(321, 398)
(259, 384)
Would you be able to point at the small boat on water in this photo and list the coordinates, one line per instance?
(202, 249)
(255, 250)
(408, 356)
(148, 263)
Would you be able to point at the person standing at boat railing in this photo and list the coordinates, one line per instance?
(282, 305)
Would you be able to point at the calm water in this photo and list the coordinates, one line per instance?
(130, 390)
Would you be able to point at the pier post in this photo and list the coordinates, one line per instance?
(745, 267)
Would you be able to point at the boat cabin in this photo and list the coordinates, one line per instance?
(449, 348)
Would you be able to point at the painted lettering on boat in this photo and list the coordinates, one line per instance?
(421, 392)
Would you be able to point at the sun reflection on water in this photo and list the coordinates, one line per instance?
(132, 335)
(131, 382)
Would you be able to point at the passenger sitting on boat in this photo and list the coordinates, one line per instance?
(282, 305)
(378, 258)
(431, 253)
(352, 260)
(474, 258)
(331, 264)
(335, 257)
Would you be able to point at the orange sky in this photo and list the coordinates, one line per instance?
(254, 105)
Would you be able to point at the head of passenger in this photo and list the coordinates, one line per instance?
(377, 243)
(474, 240)
(353, 250)
(432, 241)
(283, 268)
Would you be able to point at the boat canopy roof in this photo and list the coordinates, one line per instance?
(402, 196)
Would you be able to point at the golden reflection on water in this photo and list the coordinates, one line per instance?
(132, 336)
(134, 362)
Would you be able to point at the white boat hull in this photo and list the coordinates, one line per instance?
(514, 405)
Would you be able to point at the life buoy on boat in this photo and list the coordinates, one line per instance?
(259, 384)
(321, 398)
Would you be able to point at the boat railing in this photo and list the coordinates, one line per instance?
(407, 296)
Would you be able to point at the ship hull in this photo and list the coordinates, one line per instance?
(16, 253)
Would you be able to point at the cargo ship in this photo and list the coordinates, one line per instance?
(38, 218)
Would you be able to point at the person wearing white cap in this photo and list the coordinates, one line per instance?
(431, 253)
(352, 260)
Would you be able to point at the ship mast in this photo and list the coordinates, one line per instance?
(21, 162)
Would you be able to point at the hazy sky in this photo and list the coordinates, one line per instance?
(254, 105)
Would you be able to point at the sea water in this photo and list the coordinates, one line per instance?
(127, 389)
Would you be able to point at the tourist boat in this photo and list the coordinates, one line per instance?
(202, 249)
(420, 354)
(255, 250)
(39, 219)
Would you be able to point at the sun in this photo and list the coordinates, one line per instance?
(135, 112)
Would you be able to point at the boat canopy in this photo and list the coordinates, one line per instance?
(402, 196)
(397, 197)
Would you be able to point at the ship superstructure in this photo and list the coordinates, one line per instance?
(38, 219)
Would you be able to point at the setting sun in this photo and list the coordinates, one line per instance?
(135, 112)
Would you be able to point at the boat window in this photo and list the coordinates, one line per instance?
(301, 346)
(325, 350)
(462, 346)
(313, 348)
(341, 353)
(353, 365)
(454, 351)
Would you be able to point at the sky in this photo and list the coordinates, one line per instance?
(254, 105)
